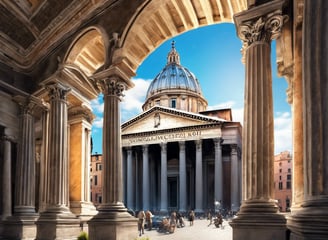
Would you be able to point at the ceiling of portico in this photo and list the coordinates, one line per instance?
(30, 30)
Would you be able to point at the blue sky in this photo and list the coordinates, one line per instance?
(212, 53)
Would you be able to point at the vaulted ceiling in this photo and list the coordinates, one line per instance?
(34, 31)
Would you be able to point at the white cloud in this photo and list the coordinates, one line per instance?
(97, 104)
(135, 97)
(98, 122)
(283, 132)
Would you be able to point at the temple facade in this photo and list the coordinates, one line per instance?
(178, 156)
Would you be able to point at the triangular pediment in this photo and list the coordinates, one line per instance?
(162, 118)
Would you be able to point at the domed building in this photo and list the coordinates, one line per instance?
(176, 154)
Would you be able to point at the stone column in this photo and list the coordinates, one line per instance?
(130, 183)
(112, 221)
(199, 178)
(80, 119)
(218, 171)
(182, 177)
(258, 217)
(56, 221)
(234, 178)
(22, 224)
(164, 177)
(6, 176)
(145, 178)
(310, 222)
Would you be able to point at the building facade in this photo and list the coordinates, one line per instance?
(283, 168)
(56, 57)
(96, 179)
(176, 156)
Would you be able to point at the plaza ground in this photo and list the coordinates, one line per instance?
(200, 230)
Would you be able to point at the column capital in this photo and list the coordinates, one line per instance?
(182, 145)
(8, 138)
(218, 142)
(57, 91)
(112, 86)
(262, 23)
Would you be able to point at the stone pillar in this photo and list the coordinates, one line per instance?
(218, 171)
(80, 119)
(145, 178)
(112, 221)
(6, 179)
(44, 159)
(234, 178)
(164, 177)
(22, 224)
(182, 177)
(258, 217)
(56, 221)
(130, 182)
(310, 222)
(199, 178)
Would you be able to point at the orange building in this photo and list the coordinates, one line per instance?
(283, 180)
(95, 178)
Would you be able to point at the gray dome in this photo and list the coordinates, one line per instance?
(174, 76)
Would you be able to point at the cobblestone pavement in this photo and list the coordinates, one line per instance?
(199, 231)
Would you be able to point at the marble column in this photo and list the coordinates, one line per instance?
(112, 221)
(258, 217)
(130, 183)
(310, 221)
(199, 178)
(6, 179)
(22, 223)
(182, 177)
(145, 178)
(57, 221)
(25, 166)
(218, 171)
(234, 178)
(164, 177)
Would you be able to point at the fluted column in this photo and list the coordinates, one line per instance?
(234, 178)
(310, 222)
(57, 169)
(257, 27)
(199, 178)
(145, 177)
(6, 179)
(25, 166)
(182, 177)
(163, 177)
(130, 185)
(112, 216)
(57, 217)
(218, 172)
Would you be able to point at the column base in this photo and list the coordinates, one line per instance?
(310, 221)
(85, 211)
(259, 219)
(113, 222)
(19, 227)
(57, 223)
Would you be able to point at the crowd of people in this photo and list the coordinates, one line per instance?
(175, 220)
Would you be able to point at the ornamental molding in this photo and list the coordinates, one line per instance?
(112, 86)
(57, 91)
(260, 24)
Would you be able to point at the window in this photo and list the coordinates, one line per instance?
(280, 178)
(96, 180)
(289, 170)
(173, 103)
(289, 177)
(97, 157)
(280, 185)
(280, 170)
(98, 166)
(288, 185)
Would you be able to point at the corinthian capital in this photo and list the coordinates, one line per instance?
(111, 86)
(57, 91)
(260, 24)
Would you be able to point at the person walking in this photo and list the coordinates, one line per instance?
(191, 217)
(141, 222)
(149, 220)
